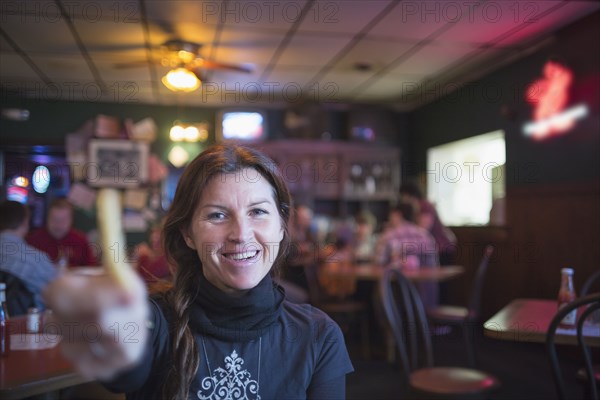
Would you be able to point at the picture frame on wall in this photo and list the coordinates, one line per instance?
(117, 163)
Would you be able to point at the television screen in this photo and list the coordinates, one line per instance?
(242, 125)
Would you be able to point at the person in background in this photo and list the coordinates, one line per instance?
(225, 329)
(394, 219)
(428, 218)
(409, 246)
(31, 266)
(151, 262)
(304, 246)
(364, 241)
(60, 240)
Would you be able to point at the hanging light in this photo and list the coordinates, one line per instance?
(177, 133)
(178, 156)
(181, 80)
(196, 132)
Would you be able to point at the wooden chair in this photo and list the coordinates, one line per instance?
(329, 287)
(589, 283)
(18, 297)
(585, 305)
(588, 286)
(405, 313)
(465, 317)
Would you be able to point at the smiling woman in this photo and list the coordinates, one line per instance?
(235, 229)
(225, 232)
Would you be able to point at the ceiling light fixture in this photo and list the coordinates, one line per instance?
(181, 80)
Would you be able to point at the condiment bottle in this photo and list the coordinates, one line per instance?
(63, 261)
(4, 323)
(566, 294)
(33, 320)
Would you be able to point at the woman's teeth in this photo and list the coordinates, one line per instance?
(242, 256)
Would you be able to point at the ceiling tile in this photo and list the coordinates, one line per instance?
(491, 20)
(373, 51)
(244, 46)
(269, 16)
(39, 34)
(348, 17)
(308, 51)
(13, 68)
(5, 46)
(274, 15)
(432, 59)
(340, 84)
(111, 37)
(185, 20)
(569, 12)
(410, 20)
(106, 64)
(389, 88)
(66, 67)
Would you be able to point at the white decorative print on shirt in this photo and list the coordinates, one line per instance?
(231, 383)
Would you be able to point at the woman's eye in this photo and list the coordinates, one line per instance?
(259, 211)
(216, 216)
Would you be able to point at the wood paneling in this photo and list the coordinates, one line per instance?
(548, 228)
(560, 225)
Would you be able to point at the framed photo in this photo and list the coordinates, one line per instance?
(117, 163)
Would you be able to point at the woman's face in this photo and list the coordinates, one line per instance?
(236, 230)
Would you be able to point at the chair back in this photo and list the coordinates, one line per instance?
(405, 313)
(330, 280)
(475, 298)
(592, 302)
(589, 283)
(18, 297)
(337, 279)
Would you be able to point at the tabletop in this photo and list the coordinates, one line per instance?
(25, 373)
(375, 272)
(527, 320)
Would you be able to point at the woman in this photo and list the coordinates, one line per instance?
(225, 329)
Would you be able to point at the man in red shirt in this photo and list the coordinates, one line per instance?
(59, 239)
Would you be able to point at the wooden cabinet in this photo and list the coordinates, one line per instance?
(338, 178)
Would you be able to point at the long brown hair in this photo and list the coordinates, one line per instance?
(185, 261)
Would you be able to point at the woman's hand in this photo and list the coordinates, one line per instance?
(103, 325)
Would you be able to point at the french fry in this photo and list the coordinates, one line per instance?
(109, 211)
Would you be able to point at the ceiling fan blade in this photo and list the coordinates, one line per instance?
(207, 64)
(131, 64)
(202, 77)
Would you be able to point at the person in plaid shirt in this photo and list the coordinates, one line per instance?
(406, 245)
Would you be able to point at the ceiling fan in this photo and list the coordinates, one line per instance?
(187, 66)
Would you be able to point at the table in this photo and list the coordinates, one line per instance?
(373, 272)
(527, 320)
(27, 373)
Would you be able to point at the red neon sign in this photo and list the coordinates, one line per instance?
(549, 96)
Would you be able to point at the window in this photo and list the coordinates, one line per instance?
(466, 178)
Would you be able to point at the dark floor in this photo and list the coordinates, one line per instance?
(522, 368)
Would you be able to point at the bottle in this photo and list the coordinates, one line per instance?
(33, 320)
(566, 294)
(4, 327)
(63, 261)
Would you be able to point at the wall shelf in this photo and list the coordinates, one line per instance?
(338, 178)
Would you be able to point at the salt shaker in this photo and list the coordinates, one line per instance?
(33, 320)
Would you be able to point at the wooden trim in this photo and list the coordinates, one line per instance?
(566, 188)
